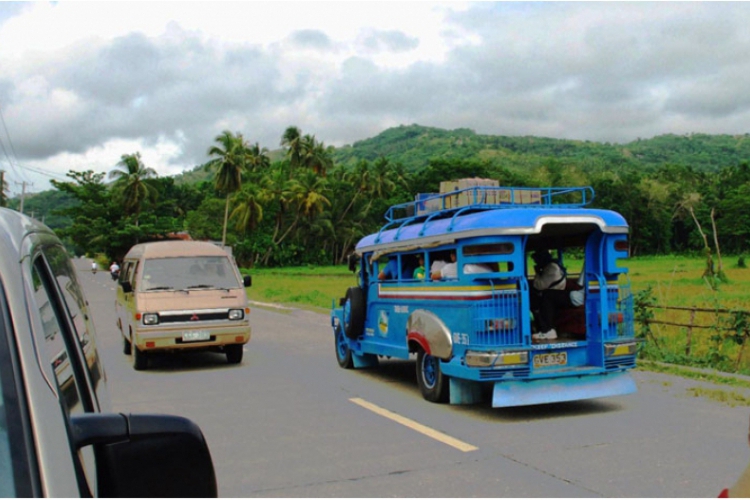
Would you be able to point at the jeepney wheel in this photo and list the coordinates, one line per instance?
(140, 359)
(343, 353)
(126, 345)
(432, 383)
(354, 312)
(234, 353)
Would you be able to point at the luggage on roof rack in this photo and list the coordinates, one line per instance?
(485, 197)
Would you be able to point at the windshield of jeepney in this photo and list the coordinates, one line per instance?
(188, 273)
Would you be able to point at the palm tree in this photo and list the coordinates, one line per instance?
(133, 182)
(230, 156)
(257, 159)
(249, 209)
(292, 140)
(315, 155)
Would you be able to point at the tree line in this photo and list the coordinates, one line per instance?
(306, 207)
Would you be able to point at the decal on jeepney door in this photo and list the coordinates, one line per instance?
(383, 323)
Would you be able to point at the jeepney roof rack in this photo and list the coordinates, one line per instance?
(430, 206)
(479, 198)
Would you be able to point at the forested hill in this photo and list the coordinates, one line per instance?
(414, 145)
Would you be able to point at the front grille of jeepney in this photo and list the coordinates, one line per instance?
(500, 373)
(194, 316)
(496, 321)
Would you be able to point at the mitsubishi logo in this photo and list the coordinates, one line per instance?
(194, 317)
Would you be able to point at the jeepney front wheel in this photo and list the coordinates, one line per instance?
(343, 353)
(354, 312)
(432, 383)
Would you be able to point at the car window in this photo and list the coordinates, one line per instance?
(15, 470)
(185, 273)
(61, 352)
(78, 310)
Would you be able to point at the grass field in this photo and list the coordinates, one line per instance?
(674, 280)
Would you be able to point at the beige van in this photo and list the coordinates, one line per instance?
(175, 295)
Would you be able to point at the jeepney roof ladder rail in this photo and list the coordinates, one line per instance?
(476, 193)
(428, 219)
(458, 213)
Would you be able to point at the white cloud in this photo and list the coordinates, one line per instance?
(85, 82)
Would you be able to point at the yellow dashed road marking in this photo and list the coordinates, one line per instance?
(411, 424)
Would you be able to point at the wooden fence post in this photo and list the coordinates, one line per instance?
(690, 332)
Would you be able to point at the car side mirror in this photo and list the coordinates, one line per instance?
(126, 286)
(158, 456)
(247, 281)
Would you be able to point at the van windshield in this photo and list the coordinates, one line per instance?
(188, 273)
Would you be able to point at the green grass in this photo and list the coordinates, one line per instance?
(676, 281)
(312, 288)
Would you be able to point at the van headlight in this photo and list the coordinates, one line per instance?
(235, 314)
(150, 319)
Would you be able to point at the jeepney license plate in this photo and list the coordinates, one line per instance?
(550, 359)
(195, 336)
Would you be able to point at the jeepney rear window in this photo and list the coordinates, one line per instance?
(490, 249)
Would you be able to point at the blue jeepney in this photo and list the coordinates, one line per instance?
(474, 329)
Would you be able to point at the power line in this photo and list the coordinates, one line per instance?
(12, 164)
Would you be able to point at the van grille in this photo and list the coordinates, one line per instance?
(190, 317)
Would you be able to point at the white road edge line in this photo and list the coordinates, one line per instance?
(411, 424)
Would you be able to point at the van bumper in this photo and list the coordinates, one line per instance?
(174, 337)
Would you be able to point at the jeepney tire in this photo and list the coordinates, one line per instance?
(126, 346)
(234, 353)
(355, 302)
(432, 383)
(140, 359)
(343, 352)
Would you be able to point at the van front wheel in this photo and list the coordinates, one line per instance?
(140, 359)
(432, 383)
(126, 345)
(234, 353)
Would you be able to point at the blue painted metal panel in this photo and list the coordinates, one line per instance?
(516, 219)
(532, 392)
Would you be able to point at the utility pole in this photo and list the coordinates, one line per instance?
(3, 201)
(23, 194)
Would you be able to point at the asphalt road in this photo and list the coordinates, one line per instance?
(288, 422)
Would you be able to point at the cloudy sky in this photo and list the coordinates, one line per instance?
(82, 83)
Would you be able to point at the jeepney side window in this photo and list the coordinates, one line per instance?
(490, 258)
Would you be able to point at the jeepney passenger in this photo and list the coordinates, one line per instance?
(390, 271)
(448, 270)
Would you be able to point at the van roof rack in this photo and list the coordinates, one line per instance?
(480, 198)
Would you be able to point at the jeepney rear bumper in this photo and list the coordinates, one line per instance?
(541, 391)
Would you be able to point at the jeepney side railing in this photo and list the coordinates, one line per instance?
(497, 321)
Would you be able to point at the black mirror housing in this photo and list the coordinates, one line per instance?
(147, 455)
(247, 281)
(353, 262)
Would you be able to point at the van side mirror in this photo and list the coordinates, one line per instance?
(126, 286)
(158, 456)
(353, 262)
(247, 281)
